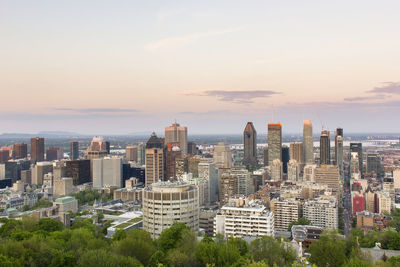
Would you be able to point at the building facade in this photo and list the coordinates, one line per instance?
(167, 202)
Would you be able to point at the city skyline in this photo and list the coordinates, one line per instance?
(118, 68)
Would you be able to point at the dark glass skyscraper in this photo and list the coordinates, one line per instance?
(250, 145)
(339, 132)
(325, 148)
(285, 158)
(74, 150)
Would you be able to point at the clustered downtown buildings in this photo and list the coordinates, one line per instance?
(244, 190)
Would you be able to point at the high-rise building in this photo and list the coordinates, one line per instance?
(329, 175)
(250, 145)
(322, 212)
(339, 153)
(285, 158)
(37, 149)
(244, 182)
(192, 148)
(339, 132)
(193, 165)
(107, 172)
(274, 142)
(181, 166)
(177, 134)
(276, 170)
(173, 152)
(297, 152)
(4, 155)
(396, 178)
(369, 196)
(308, 142)
(39, 170)
(354, 166)
(108, 147)
(141, 154)
(357, 147)
(97, 148)
(325, 148)
(79, 171)
(54, 153)
(131, 153)
(63, 187)
(222, 155)
(228, 187)
(154, 160)
(374, 163)
(20, 151)
(293, 170)
(285, 212)
(208, 172)
(74, 152)
(265, 155)
(158, 200)
(384, 202)
(59, 169)
(240, 218)
(309, 172)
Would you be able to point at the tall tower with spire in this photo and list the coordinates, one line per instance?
(250, 145)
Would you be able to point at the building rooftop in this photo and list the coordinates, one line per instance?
(64, 199)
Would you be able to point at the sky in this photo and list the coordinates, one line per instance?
(120, 67)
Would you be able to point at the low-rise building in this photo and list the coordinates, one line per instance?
(206, 221)
(366, 221)
(241, 218)
(66, 204)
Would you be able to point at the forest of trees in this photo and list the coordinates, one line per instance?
(45, 242)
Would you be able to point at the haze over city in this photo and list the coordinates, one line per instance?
(134, 66)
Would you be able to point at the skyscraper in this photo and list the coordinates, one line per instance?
(285, 158)
(20, 151)
(265, 155)
(107, 172)
(79, 171)
(339, 153)
(74, 150)
(325, 148)
(37, 149)
(154, 160)
(173, 152)
(374, 163)
(97, 148)
(250, 145)
(329, 175)
(54, 153)
(222, 155)
(176, 133)
(297, 152)
(357, 147)
(339, 132)
(274, 142)
(131, 153)
(141, 153)
(308, 145)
